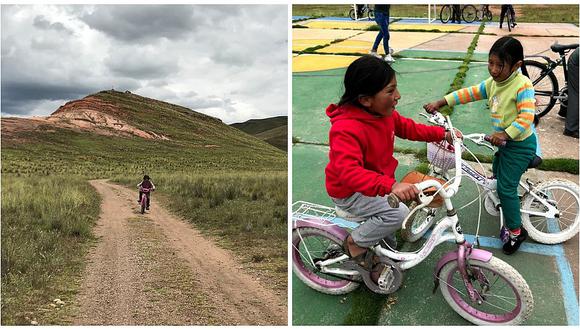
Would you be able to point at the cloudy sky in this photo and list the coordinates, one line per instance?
(227, 61)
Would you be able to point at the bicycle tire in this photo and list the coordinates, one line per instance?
(555, 234)
(418, 223)
(321, 243)
(445, 14)
(545, 86)
(143, 204)
(469, 13)
(482, 314)
(488, 15)
(371, 15)
(351, 14)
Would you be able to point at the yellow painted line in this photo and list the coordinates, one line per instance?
(322, 34)
(349, 46)
(299, 45)
(340, 25)
(308, 62)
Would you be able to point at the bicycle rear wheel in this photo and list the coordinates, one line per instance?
(545, 86)
(143, 203)
(310, 245)
(506, 298)
(488, 15)
(445, 14)
(469, 13)
(351, 14)
(565, 196)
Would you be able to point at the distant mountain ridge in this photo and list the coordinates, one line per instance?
(122, 131)
(273, 130)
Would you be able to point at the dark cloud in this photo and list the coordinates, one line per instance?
(141, 22)
(140, 67)
(42, 23)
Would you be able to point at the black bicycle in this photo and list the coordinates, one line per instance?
(365, 9)
(446, 13)
(470, 13)
(544, 80)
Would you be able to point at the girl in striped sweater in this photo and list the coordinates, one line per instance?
(510, 96)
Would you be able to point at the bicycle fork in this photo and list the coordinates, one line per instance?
(465, 252)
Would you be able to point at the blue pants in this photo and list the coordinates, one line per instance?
(382, 20)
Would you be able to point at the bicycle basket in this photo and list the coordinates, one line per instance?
(441, 154)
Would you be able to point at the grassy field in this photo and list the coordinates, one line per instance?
(524, 13)
(46, 225)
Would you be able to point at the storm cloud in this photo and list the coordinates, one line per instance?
(222, 60)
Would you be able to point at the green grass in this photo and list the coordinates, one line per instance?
(46, 225)
(342, 10)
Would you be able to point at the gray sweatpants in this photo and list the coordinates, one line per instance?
(381, 222)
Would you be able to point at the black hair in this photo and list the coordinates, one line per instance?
(146, 177)
(366, 76)
(509, 50)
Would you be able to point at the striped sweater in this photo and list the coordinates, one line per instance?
(511, 101)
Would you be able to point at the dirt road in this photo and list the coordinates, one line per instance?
(155, 269)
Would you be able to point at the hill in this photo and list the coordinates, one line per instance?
(120, 132)
(272, 130)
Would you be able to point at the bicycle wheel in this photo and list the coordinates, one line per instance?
(143, 204)
(506, 297)
(371, 15)
(318, 244)
(545, 86)
(565, 195)
(418, 223)
(445, 14)
(469, 13)
(351, 14)
(488, 15)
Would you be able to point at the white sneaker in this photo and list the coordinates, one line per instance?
(375, 54)
(389, 58)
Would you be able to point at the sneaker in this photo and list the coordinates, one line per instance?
(513, 242)
(374, 53)
(389, 58)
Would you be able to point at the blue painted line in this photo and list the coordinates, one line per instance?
(299, 17)
(568, 290)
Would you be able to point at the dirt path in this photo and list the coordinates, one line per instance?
(156, 269)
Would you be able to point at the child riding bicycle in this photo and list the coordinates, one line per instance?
(146, 184)
(360, 173)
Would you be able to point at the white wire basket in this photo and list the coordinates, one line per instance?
(441, 154)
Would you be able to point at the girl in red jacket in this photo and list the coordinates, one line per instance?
(361, 171)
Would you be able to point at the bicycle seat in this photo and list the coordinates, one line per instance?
(535, 162)
(557, 48)
(347, 216)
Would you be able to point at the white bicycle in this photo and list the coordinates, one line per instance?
(481, 288)
(550, 210)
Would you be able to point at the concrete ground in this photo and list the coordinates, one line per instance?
(317, 82)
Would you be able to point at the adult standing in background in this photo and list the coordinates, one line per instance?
(382, 19)
(571, 127)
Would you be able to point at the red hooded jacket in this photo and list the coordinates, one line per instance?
(361, 149)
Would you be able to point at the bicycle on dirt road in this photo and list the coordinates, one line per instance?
(470, 13)
(550, 210)
(144, 202)
(365, 10)
(545, 82)
(478, 286)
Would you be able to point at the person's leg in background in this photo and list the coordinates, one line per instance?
(504, 9)
(571, 127)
